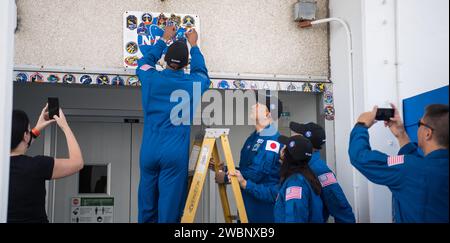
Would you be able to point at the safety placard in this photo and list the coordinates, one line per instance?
(92, 210)
(143, 29)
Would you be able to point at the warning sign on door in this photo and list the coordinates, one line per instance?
(92, 210)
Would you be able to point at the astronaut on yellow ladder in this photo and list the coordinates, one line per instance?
(259, 160)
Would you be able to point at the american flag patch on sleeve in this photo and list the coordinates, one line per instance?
(396, 160)
(327, 179)
(146, 67)
(293, 192)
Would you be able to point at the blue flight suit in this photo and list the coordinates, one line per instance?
(300, 206)
(419, 184)
(334, 200)
(260, 163)
(164, 153)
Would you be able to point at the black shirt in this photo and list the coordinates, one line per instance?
(27, 192)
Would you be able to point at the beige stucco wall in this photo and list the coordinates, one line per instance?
(245, 36)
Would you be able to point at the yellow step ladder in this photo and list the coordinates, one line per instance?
(209, 149)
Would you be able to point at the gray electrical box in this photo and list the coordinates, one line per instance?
(305, 10)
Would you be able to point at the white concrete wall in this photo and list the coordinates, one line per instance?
(379, 89)
(252, 36)
(7, 24)
(423, 46)
(350, 11)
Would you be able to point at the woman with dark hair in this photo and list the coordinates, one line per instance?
(26, 202)
(297, 197)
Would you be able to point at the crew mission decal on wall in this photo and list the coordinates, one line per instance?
(144, 29)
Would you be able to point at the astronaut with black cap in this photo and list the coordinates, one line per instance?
(334, 200)
(332, 196)
(164, 156)
(296, 197)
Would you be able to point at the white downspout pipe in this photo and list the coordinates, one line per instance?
(352, 97)
(7, 24)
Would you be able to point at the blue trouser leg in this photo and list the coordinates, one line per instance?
(148, 197)
(173, 178)
(148, 185)
(172, 185)
(164, 172)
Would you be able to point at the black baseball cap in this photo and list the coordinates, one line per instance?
(298, 146)
(177, 55)
(311, 131)
(272, 102)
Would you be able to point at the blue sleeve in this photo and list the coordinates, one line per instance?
(337, 204)
(198, 68)
(410, 149)
(297, 209)
(252, 173)
(263, 165)
(267, 193)
(152, 55)
(146, 69)
(371, 163)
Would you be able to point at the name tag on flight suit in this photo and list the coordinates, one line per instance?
(257, 145)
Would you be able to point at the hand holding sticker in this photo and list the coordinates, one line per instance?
(192, 37)
(170, 32)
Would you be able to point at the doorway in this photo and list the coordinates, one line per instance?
(109, 178)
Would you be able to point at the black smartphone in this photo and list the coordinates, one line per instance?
(53, 107)
(384, 114)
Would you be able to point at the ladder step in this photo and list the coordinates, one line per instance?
(234, 217)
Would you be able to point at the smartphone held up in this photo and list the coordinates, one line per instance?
(53, 107)
(385, 114)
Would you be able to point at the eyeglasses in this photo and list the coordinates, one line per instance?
(420, 123)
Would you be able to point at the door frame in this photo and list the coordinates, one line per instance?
(79, 115)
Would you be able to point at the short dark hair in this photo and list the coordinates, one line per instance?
(273, 104)
(436, 116)
(20, 123)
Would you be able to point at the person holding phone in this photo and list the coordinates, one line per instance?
(26, 203)
(419, 183)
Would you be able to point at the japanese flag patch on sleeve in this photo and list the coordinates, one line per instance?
(293, 192)
(396, 160)
(327, 179)
(273, 146)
